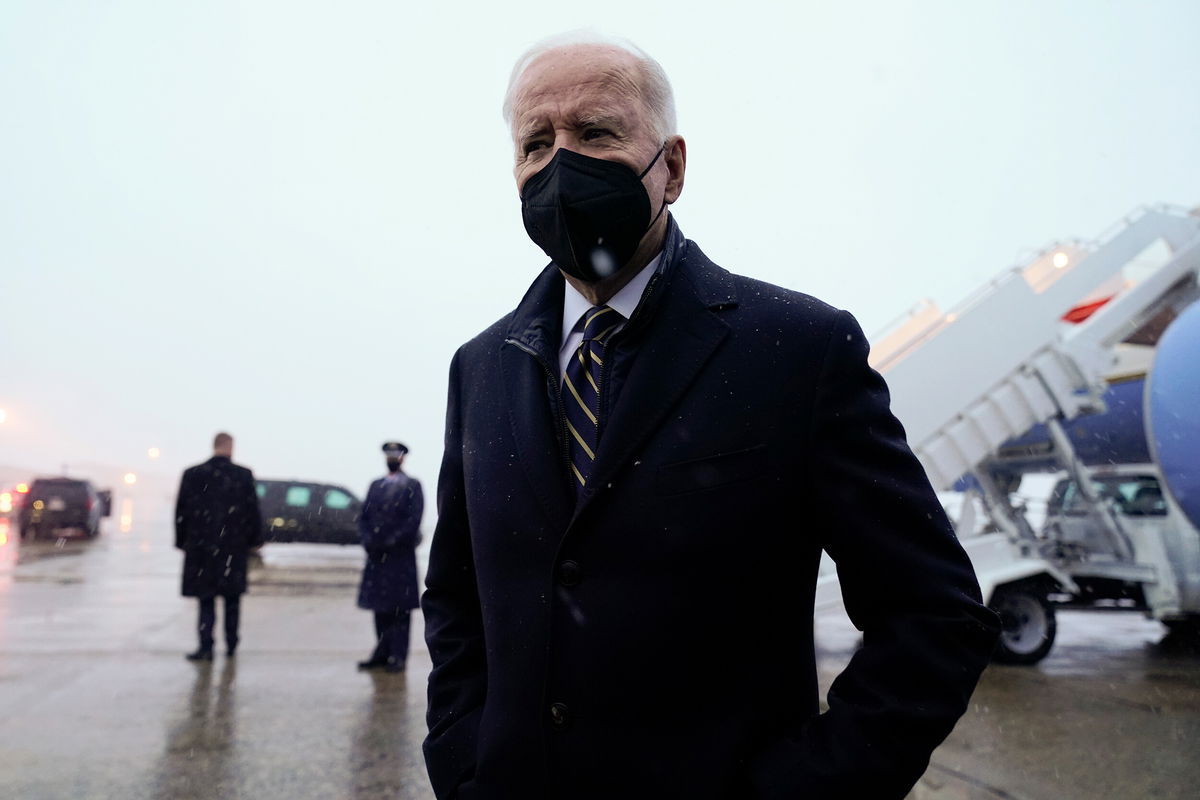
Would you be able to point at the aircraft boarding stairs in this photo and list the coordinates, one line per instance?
(965, 381)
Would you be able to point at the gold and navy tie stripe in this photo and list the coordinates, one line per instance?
(581, 390)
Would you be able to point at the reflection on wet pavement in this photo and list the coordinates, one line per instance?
(200, 740)
(96, 700)
(1112, 712)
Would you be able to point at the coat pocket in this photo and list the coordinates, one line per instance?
(698, 474)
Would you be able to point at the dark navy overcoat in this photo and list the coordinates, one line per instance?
(389, 528)
(217, 522)
(654, 639)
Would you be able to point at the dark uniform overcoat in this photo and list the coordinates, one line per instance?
(389, 527)
(217, 522)
(654, 639)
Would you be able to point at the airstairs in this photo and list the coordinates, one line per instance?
(1036, 346)
(965, 381)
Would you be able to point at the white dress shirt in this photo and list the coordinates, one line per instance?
(575, 306)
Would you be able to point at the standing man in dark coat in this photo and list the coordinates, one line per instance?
(389, 527)
(643, 464)
(216, 524)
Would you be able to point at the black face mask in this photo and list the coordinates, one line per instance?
(393, 464)
(588, 214)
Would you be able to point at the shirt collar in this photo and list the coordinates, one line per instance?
(623, 302)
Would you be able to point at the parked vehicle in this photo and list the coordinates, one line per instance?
(1147, 561)
(303, 511)
(58, 505)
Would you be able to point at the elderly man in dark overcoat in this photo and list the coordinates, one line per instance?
(389, 527)
(643, 462)
(217, 523)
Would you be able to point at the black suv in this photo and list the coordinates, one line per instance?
(300, 511)
(53, 504)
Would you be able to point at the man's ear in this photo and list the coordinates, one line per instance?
(675, 157)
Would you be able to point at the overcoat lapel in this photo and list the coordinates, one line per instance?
(530, 348)
(533, 427)
(681, 337)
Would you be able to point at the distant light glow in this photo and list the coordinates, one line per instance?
(6, 502)
(1060, 260)
(126, 515)
(153, 453)
(3, 415)
(22, 488)
(130, 478)
(38, 505)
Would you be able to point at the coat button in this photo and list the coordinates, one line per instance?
(558, 715)
(569, 573)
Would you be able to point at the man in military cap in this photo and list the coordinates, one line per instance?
(389, 527)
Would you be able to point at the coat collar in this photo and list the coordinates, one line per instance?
(537, 321)
(675, 330)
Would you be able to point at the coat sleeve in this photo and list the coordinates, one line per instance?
(182, 512)
(907, 584)
(453, 623)
(366, 516)
(414, 509)
(253, 522)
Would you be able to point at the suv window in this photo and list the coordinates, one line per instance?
(260, 489)
(298, 496)
(69, 491)
(335, 498)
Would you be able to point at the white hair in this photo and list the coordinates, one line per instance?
(655, 88)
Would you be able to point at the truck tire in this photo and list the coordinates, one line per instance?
(1027, 625)
(1187, 627)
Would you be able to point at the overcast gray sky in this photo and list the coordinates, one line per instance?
(281, 218)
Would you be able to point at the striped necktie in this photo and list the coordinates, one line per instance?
(581, 390)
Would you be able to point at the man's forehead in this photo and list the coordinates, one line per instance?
(587, 106)
(577, 77)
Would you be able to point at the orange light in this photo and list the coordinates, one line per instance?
(22, 488)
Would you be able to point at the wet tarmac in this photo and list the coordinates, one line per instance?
(96, 700)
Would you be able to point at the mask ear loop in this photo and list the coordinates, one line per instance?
(654, 161)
